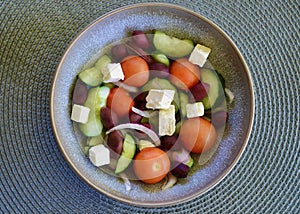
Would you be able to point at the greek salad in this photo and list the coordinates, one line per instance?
(147, 105)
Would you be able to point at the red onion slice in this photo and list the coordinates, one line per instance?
(154, 137)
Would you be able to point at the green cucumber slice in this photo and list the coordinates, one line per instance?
(93, 76)
(94, 141)
(96, 99)
(215, 93)
(102, 62)
(161, 58)
(127, 154)
(178, 127)
(190, 162)
(184, 99)
(172, 46)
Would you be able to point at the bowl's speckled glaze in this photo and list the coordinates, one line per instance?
(176, 21)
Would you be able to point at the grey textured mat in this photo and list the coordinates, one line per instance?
(36, 179)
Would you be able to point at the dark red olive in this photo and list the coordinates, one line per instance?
(115, 143)
(119, 51)
(159, 70)
(80, 92)
(140, 101)
(140, 39)
(108, 117)
(180, 170)
(169, 142)
(134, 117)
(199, 91)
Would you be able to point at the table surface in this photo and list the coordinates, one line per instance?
(34, 175)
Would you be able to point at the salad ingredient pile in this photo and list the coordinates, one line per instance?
(148, 105)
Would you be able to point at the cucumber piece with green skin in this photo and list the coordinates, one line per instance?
(215, 94)
(190, 162)
(96, 99)
(178, 127)
(94, 141)
(172, 46)
(93, 76)
(161, 84)
(127, 154)
(86, 150)
(184, 100)
(161, 58)
(102, 62)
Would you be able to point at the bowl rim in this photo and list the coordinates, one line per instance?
(221, 176)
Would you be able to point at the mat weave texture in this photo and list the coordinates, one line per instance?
(34, 176)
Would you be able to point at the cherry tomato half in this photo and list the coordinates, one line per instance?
(120, 102)
(184, 74)
(136, 71)
(197, 135)
(151, 165)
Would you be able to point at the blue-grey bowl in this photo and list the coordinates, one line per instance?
(179, 22)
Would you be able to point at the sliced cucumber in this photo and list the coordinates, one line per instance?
(102, 62)
(178, 127)
(104, 92)
(127, 154)
(86, 150)
(158, 83)
(94, 141)
(184, 99)
(172, 46)
(93, 76)
(95, 101)
(161, 58)
(190, 162)
(215, 93)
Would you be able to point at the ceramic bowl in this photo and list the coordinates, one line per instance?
(176, 21)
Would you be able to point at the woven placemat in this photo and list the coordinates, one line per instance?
(34, 175)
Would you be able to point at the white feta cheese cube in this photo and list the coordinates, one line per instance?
(194, 109)
(199, 55)
(166, 121)
(159, 99)
(113, 73)
(99, 155)
(80, 113)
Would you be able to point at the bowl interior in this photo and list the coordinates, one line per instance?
(178, 22)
